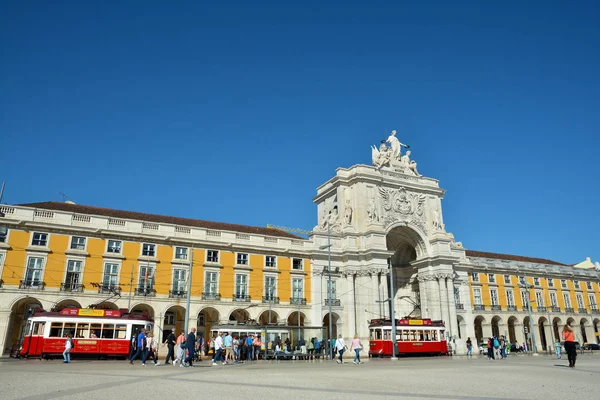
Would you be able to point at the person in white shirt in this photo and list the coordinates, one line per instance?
(218, 349)
(340, 346)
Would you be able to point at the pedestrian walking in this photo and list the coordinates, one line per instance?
(557, 348)
(469, 347)
(490, 348)
(218, 349)
(357, 346)
(568, 336)
(68, 347)
(340, 346)
(133, 344)
(310, 347)
(317, 348)
(170, 343)
(190, 343)
(228, 343)
(141, 347)
(180, 347)
(151, 350)
(503, 347)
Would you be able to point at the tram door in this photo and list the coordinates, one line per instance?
(135, 329)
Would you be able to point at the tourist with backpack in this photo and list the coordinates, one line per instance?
(496, 348)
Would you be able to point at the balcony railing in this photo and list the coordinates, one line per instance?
(177, 294)
(460, 306)
(542, 309)
(109, 289)
(71, 287)
(146, 291)
(479, 307)
(512, 308)
(241, 297)
(333, 302)
(582, 311)
(569, 310)
(270, 299)
(298, 300)
(32, 285)
(496, 307)
(555, 309)
(211, 296)
(595, 311)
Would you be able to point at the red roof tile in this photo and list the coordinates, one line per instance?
(108, 212)
(484, 254)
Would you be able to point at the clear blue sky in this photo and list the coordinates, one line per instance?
(236, 112)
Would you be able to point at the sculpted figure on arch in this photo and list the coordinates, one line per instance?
(395, 144)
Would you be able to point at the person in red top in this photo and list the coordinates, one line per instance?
(569, 342)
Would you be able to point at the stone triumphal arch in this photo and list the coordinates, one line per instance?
(382, 216)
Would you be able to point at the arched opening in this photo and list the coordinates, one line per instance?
(527, 333)
(207, 318)
(462, 326)
(173, 320)
(20, 311)
(296, 318)
(479, 322)
(66, 303)
(557, 327)
(597, 329)
(141, 309)
(496, 322)
(582, 325)
(542, 322)
(512, 335)
(268, 318)
(240, 315)
(335, 320)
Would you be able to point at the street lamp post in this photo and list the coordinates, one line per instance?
(528, 286)
(392, 310)
(328, 247)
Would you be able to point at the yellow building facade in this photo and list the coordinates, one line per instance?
(56, 255)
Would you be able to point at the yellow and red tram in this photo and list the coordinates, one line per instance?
(102, 333)
(413, 336)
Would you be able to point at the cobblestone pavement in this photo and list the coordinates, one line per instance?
(519, 377)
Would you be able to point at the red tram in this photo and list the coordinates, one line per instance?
(100, 333)
(413, 336)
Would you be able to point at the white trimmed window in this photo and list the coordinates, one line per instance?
(242, 259)
(212, 256)
(39, 239)
(34, 271)
(550, 282)
(492, 278)
(539, 298)
(510, 299)
(536, 281)
(553, 301)
(331, 290)
(507, 279)
(457, 296)
(114, 246)
(169, 318)
(271, 261)
(297, 264)
(477, 296)
(591, 297)
(241, 286)
(563, 283)
(297, 288)
(146, 277)
(576, 284)
(110, 278)
(210, 282)
(73, 276)
(148, 250)
(77, 243)
(3, 234)
(567, 300)
(179, 280)
(525, 298)
(494, 297)
(181, 253)
(589, 285)
(475, 276)
(580, 304)
(522, 280)
(270, 287)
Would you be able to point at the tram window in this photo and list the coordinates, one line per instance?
(371, 334)
(83, 330)
(56, 329)
(435, 336)
(69, 329)
(413, 336)
(377, 334)
(121, 331)
(38, 328)
(387, 335)
(108, 331)
(95, 331)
